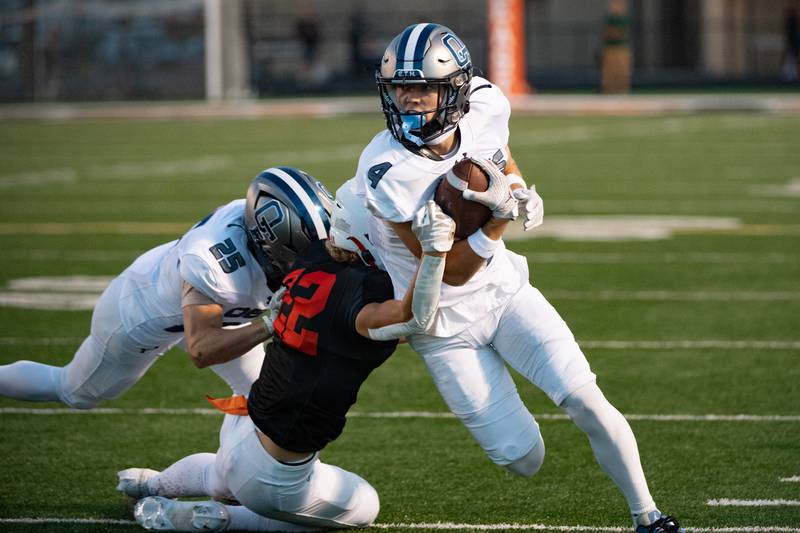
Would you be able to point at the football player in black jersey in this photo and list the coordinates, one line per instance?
(336, 323)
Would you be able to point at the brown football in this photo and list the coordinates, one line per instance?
(468, 215)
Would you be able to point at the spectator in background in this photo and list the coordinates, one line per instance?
(355, 36)
(792, 35)
(315, 73)
(308, 32)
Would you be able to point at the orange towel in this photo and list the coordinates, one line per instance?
(232, 405)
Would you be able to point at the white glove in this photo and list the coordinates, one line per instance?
(434, 230)
(530, 205)
(498, 196)
(271, 313)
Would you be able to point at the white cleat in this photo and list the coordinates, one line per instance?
(133, 481)
(163, 514)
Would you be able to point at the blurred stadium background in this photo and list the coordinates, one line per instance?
(82, 50)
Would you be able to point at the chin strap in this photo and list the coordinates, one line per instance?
(426, 300)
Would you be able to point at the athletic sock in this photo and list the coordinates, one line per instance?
(646, 518)
(243, 519)
(614, 445)
(188, 477)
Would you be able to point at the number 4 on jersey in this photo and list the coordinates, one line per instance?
(375, 173)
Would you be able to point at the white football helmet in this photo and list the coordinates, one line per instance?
(349, 227)
(425, 54)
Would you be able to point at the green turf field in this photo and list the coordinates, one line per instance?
(702, 321)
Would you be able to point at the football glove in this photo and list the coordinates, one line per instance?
(530, 205)
(271, 313)
(434, 230)
(498, 196)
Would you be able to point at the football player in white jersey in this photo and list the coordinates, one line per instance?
(268, 457)
(204, 292)
(438, 112)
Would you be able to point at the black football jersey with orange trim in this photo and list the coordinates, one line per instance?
(317, 362)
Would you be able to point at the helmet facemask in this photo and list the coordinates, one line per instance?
(439, 60)
(414, 126)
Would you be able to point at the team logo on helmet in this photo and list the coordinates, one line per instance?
(269, 216)
(457, 48)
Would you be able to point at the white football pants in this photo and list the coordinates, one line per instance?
(529, 335)
(312, 493)
(111, 360)
(469, 371)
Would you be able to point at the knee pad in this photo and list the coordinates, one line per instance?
(588, 408)
(504, 430)
(530, 463)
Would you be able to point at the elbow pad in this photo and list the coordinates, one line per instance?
(424, 304)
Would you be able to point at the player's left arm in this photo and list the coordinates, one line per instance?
(434, 232)
(207, 341)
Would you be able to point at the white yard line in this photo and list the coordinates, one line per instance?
(49, 301)
(638, 129)
(725, 502)
(40, 341)
(73, 255)
(692, 345)
(793, 479)
(172, 229)
(444, 526)
(545, 527)
(41, 177)
(667, 257)
(42, 521)
(589, 258)
(680, 296)
(588, 344)
(394, 414)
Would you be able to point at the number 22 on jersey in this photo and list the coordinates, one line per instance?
(305, 298)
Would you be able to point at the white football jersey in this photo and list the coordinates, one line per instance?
(396, 182)
(212, 257)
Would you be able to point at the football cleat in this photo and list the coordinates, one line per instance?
(665, 524)
(133, 481)
(157, 513)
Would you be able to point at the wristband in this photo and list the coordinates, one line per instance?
(482, 245)
(516, 178)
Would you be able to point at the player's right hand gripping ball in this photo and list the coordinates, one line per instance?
(498, 196)
(468, 215)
